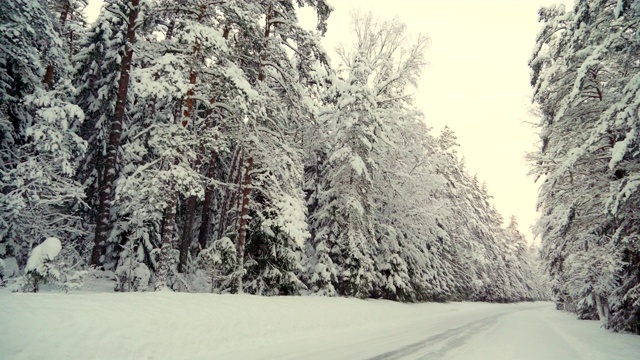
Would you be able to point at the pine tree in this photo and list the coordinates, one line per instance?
(39, 148)
(130, 10)
(584, 81)
(270, 191)
(343, 221)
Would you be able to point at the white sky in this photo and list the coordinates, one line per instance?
(477, 82)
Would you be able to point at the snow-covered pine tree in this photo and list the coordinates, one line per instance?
(279, 60)
(192, 77)
(71, 22)
(129, 11)
(395, 60)
(456, 218)
(480, 250)
(524, 266)
(39, 148)
(343, 220)
(96, 74)
(585, 81)
(171, 133)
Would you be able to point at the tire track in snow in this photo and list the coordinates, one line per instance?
(444, 342)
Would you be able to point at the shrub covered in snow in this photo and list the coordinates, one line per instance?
(40, 267)
(50, 264)
(132, 276)
(216, 264)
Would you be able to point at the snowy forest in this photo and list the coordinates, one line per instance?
(212, 146)
(586, 79)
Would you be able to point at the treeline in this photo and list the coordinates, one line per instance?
(206, 145)
(586, 76)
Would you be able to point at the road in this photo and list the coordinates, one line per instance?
(174, 326)
(520, 331)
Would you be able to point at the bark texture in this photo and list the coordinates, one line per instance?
(168, 229)
(228, 195)
(103, 221)
(244, 220)
(203, 235)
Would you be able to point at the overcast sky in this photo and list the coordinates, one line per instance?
(477, 82)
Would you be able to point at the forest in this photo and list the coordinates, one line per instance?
(586, 79)
(214, 146)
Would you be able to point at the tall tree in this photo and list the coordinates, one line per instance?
(585, 82)
(39, 148)
(343, 220)
(130, 10)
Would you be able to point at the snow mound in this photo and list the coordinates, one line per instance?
(42, 253)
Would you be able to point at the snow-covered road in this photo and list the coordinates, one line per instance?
(204, 326)
(471, 331)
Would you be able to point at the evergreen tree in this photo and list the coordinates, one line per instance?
(39, 148)
(584, 77)
(129, 10)
(343, 220)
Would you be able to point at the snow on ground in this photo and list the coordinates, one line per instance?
(205, 326)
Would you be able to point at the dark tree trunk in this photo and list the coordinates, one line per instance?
(185, 242)
(48, 76)
(168, 228)
(103, 221)
(205, 220)
(64, 13)
(188, 112)
(189, 102)
(267, 32)
(242, 228)
(203, 235)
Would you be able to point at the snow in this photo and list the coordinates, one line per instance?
(9, 267)
(42, 253)
(208, 326)
(621, 148)
(292, 217)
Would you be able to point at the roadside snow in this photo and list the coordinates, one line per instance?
(206, 326)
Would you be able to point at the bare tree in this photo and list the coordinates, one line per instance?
(395, 58)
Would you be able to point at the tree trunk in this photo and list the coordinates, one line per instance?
(103, 220)
(267, 32)
(48, 76)
(64, 13)
(164, 262)
(63, 20)
(189, 102)
(222, 224)
(246, 185)
(185, 242)
(203, 235)
(242, 229)
(603, 313)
